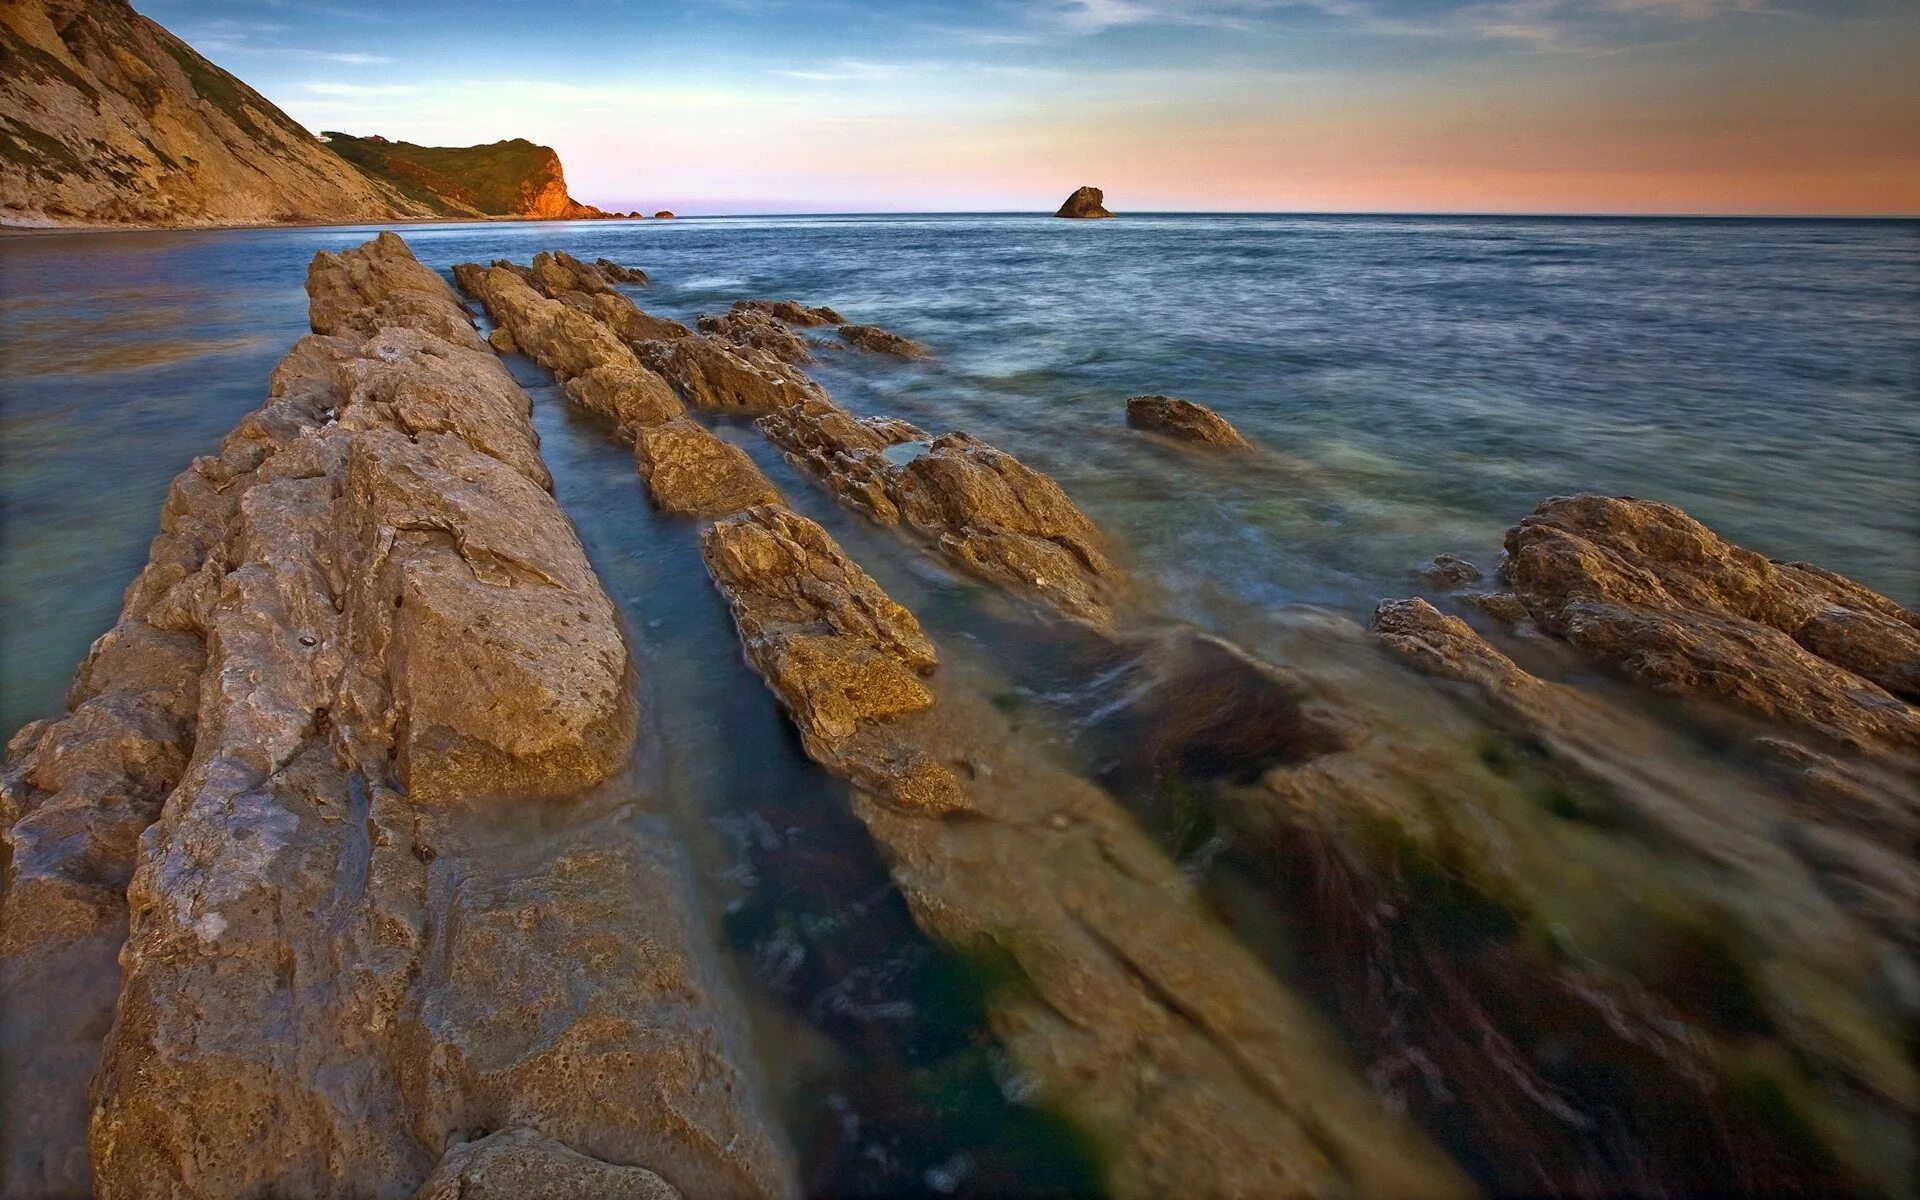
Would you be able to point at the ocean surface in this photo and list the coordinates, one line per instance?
(1418, 385)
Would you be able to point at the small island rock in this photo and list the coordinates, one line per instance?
(1185, 420)
(1085, 202)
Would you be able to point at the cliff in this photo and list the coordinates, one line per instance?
(106, 118)
(501, 179)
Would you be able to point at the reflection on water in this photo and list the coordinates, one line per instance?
(1415, 386)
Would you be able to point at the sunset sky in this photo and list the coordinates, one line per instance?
(1739, 106)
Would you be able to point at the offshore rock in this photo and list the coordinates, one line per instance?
(710, 374)
(1185, 420)
(1446, 646)
(748, 326)
(1085, 202)
(1450, 571)
(1648, 588)
(792, 312)
(876, 340)
(519, 1164)
(1126, 1008)
(377, 683)
(621, 274)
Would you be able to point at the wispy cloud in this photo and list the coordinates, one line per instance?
(327, 87)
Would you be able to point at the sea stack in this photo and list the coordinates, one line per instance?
(663, 215)
(1085, 202)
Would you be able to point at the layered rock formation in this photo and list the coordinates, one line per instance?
(373, 700)
(1654, 592)
(110, 119)
(687, 469)
(1184, 420)
(1085, 202)
(1124, 1006)
(514, 178)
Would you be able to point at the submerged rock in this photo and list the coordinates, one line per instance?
(1649, 589)
(1085, 202)
(519, 1164)
(876, 340)
(1123, 1005)
(1185, 420)
(1450, 571)
(619, 274)
(366, 638)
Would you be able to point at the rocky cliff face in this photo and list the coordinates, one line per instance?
(501, 179)
(106, 118)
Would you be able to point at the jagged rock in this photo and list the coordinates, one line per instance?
(745, 326)
(710, 374)
(365, 633)
(1444, 645)
(502, 341)
(1009, 523)
(619, 274)
(519, 1164)
(386, 287)
(627, 392)
(791, 311)
(1126, 1008)
(1450, 571)
(1501, 606)
(692, 472)
(1648, 588)
(844, 659)
(1085, 202)
(1185, 420)
(876, 340)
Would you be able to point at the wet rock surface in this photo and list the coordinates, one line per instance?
(373, 699)
(1647, 588)
(519, 1164)
(557, 311)
(1185, 421)
(876, 340)
(1085, 202)
(1125, 1007)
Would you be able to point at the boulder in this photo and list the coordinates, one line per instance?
(1085, 202)
(876, 340)
(1649, 589)
(1185, 420)
(663, 215)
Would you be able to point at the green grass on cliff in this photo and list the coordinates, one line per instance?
(490, 179)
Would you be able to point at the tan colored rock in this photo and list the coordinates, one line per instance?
(113, 120)
(626, 392)
(372, 665)
(1446, 646)
(1085, 202)
(712, 374)
(1127, 1009)
(1185, 420)
(519, 1164)
(1646, 587)
(692, 472)
(876, 340)
(621, 274)
(792, 312)
(753, 327)
(384, 287)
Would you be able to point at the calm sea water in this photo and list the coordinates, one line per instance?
(1419, 384)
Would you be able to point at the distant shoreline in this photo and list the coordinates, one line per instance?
(14, 231)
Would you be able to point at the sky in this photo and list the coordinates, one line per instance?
(786, 106)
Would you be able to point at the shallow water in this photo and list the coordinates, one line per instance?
(1417, 385)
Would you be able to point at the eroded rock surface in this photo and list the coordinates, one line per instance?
(557, 312)
(621, 274)
(1126, 1008)
(373, 689)
(876, 340)
(1649, 589)
(1184, 420)
(519, 1164)
(1085, 202)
